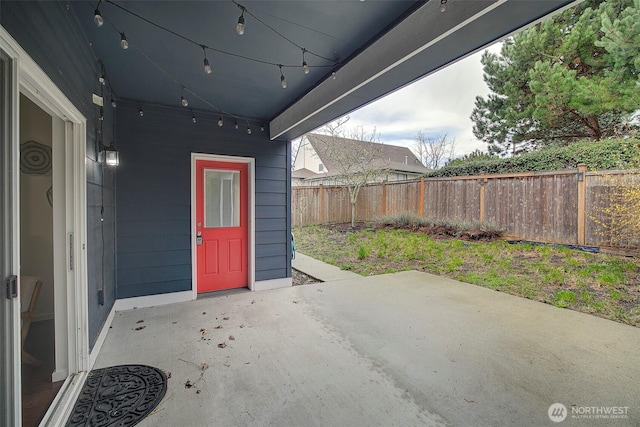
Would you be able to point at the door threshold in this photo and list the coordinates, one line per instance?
(63, 404)
(223, 292)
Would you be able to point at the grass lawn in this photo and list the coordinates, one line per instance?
(600, 284)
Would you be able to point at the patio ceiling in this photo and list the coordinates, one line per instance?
(374, 47)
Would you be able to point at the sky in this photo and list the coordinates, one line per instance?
(436, 105)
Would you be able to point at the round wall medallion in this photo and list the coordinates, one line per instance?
(35, 158)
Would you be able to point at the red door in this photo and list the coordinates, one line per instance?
(221, 225)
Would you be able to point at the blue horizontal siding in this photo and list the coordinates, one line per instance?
(153, 196)
(50, 34)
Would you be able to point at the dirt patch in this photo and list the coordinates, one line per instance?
(299, 278)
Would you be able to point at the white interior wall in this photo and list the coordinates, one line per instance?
(36, 222)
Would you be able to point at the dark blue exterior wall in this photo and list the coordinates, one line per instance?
(153, 195)
(50, 34)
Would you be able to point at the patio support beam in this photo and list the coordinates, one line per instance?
(423, 43)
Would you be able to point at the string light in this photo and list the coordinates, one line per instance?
(240, 26)
(123, 41)
(283, 81)
(207, 66)
(262, 128)
(443, 5)
(248, 129)
(193, 117)
(183, 100)
(97, 16)
(101, 118)
(125, 45)
(305, 67)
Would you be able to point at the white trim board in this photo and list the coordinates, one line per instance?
(265, 285)
(102, 336)
(151, 301)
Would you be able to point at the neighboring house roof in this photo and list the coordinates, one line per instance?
(303, 173)
(392, 157)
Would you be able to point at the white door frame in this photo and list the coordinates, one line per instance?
(35, 84)
(10, 386)
(251, 215)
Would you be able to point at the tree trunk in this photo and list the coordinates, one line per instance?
(353, 214)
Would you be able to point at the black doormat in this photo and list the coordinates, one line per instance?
(119, 395)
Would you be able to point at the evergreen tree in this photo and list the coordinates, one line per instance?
(571, 77)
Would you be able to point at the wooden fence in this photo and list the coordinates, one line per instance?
(565, 207)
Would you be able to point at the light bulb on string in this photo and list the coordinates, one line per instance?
(240, 25)
(443, 5)
(207, 66)
(236, 125)
(262, 128)
(193, 117)
(124, 43)
(113, 102)
(220, 122)
(184, 101)
(141, 112)
(97, 18)
(101, 117)
(283, 81)
(248, 129)
(305, 67)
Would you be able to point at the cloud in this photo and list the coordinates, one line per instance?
(436, 105)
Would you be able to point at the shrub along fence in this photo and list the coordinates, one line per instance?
(565, 207)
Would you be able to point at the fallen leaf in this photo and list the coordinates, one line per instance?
(174, 322)
(242, 326)
(140, 327)
(204, 366)
(203, 331)
(197, 391)
(470, 401)
(225, 318)
(227, 365)
(204, 312)
(232, 338)
(253, 302)
(188, 384)
(140, 321)
(218, 327)
(168, 375)
(294, 301)
(320, 290)
(222, 345)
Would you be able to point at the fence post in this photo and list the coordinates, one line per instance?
(321, 204)
(384, 199)
(582, 203)
(421, 207)
(483, 212)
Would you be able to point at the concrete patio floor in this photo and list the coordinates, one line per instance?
(405, 349)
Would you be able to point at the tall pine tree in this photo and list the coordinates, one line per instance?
(571, 77)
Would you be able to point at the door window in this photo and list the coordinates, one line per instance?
(222, 198)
